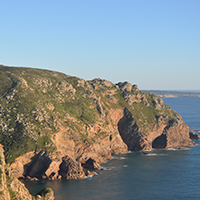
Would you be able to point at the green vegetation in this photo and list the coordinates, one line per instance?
(9, 178)
(16, 143)
(1, 172)
(35, 103)
(12, 194)
(43, 193)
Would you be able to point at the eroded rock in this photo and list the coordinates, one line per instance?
(70, 169)
(125, 86)
(91, 164)
(163, 135)
(194, 135)
(12, 188)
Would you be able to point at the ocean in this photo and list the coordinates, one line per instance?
(169, 174)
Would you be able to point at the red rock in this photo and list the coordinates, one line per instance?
(70, 169)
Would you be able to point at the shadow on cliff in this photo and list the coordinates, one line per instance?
(130, 132)
(160, 141)
(38, 165)
(174, 133)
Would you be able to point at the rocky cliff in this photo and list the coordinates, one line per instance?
(12, 188)
(56, 126)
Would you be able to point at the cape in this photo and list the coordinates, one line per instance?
(57, 126)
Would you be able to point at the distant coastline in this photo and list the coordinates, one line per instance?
(168, 94)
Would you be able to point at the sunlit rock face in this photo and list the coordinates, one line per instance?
(48, 117)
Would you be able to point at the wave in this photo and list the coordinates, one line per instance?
(105, 168)
(86, 177)
(178, 149)
(127, 152)
(171, 149)
(153, 154)
(148, 150)
(118, 158)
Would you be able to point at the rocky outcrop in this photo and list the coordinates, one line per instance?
(173, 136)
(194, 135)
(31, 165)
(38, 167)
(46, 194)
(163, 135)
(19, 167)
(125, 86)
(90, 173)
(52, 173)
(4, 192)
(91, 164)
(70, 169)
(12, 188)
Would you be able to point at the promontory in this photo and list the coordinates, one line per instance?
(56, 126)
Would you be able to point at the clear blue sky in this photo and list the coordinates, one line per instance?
(152, 43)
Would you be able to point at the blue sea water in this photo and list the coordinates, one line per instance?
(188, 107)
(171, 174)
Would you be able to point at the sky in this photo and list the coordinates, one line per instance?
(152, 43)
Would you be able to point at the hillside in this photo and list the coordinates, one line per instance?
(54, 126)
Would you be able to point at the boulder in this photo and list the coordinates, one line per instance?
(125, 86)
(90, 173)
(46, 194)
(70, 169)
(135, 87)
(52, 171)
(194, 135)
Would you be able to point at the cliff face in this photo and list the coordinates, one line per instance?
(52, 124)
(162, 135)
(4, 192)
(12, 188)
